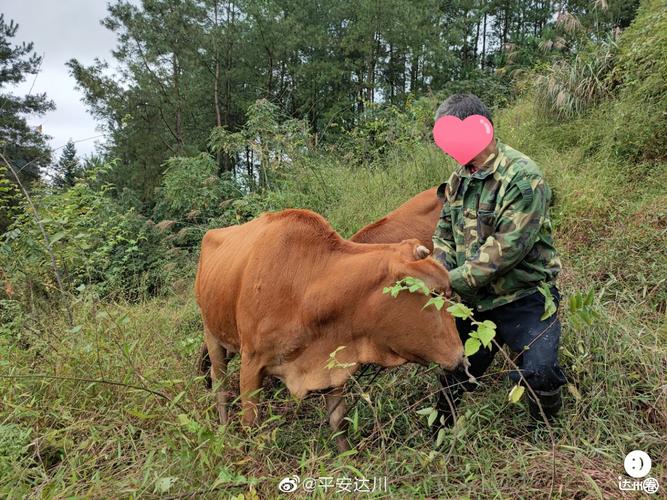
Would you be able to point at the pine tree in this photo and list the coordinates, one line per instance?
(67, 168)
(21, 144)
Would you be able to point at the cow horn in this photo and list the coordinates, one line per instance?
(421, 252)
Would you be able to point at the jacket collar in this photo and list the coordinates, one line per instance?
(490, 165)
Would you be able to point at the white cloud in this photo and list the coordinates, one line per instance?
(62, 30)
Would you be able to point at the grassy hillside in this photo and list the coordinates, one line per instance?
(67, 435)
(113, 407)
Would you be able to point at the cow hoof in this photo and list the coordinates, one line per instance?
(343, 444)
(249, 417)
(222, 415)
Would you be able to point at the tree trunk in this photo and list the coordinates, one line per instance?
(178, 128)
(228, 161)
(391, 73)
(370, 69)
(216, 81)
(220, 158)
(414, 72)
(269, 82)
(474, 52)
(484, 43)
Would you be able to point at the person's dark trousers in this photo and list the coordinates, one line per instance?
(535, 342)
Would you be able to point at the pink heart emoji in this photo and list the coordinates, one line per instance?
(463, 139)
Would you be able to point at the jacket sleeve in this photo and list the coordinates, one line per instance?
(444, 247)
(516, 228)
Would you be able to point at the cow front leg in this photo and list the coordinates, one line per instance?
(218, 358)
(250, 383)
(336, 410)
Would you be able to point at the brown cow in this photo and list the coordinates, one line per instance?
(416, 218)
(285, 291)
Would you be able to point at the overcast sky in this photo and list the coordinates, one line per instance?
(61, 30)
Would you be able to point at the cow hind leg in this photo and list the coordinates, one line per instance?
(204, 366)
(250, 382)
(218, 361)
(336, 410)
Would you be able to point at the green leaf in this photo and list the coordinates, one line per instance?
(74, 329)
(440, 438)
(102, 315)
(486, 331)
(432, 416)
(189, 424)
(549, 304)
(460, 311)
(574, 391)
(582, 309)
(516, 393)
(471, 346)
(347, 453)
(572, 303)
(415, 285)
(588, 300)
(139, 414)
(426, 411)
(164, 484)
(57, 237)
(438, 302)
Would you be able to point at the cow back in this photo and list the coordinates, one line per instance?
(416, 218)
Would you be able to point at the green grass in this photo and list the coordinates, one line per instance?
(64, 436)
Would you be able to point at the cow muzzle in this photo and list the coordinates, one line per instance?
(462, 368)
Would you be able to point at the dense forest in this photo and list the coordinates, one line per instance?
(184, 68)
(216, 111)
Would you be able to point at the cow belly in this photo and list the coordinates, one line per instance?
(300, 380)
(309, 371)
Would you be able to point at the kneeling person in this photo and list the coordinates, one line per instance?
(494, 236)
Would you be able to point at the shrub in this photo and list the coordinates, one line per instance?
(570, 87)
(379, 129)
(268, 142)
(639, 115)
(191, 189)
(94, 241)
(14, 442)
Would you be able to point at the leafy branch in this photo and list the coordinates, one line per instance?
(482, 336)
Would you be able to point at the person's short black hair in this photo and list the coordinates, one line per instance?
(462, 106)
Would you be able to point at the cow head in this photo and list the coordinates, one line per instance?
(407, 328)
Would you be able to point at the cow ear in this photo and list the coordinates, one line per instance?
(421, 252)
(441, 194)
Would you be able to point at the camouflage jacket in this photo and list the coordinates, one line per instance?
(494, 232)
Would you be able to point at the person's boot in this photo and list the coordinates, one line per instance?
(550, 401)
